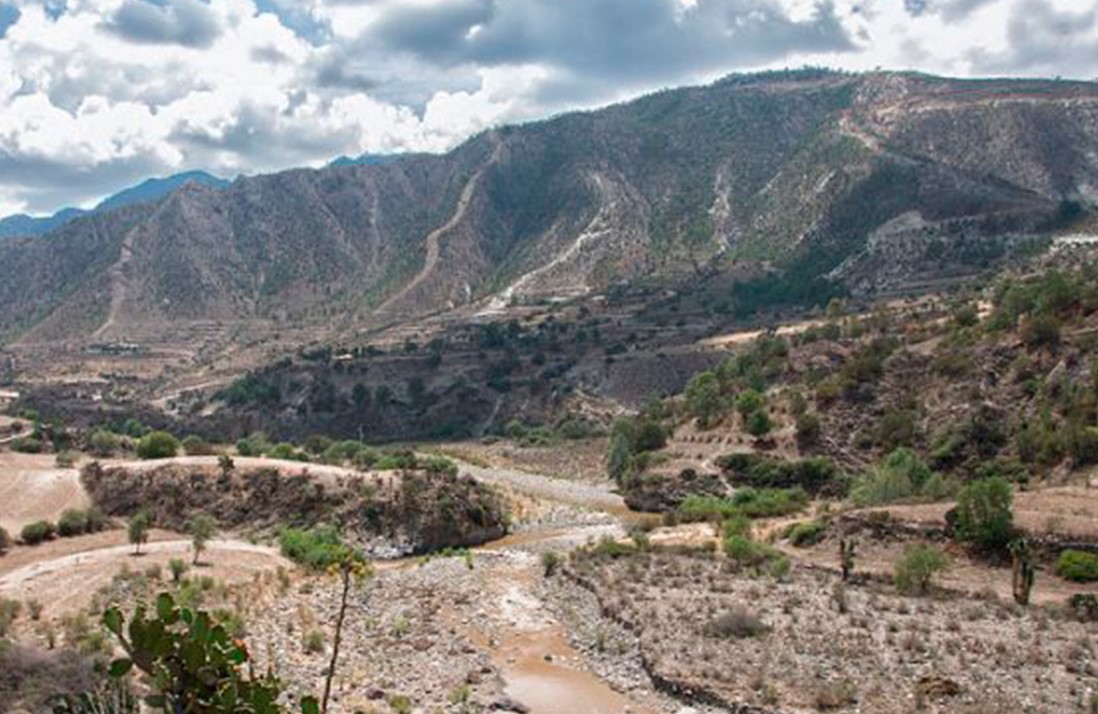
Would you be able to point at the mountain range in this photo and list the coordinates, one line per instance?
(148, 190)
(867, 182)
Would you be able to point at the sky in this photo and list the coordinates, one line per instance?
(96, 95)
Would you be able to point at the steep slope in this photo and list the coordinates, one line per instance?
(875, 180)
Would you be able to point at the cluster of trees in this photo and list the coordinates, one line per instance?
(632, 441)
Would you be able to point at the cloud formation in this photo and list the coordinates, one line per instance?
(98, 94)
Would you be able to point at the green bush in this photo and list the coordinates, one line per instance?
(157, 445)
(38, 532)
(807, 533)
(769, 502)
(808, 430)
(103, 443)
(703, 398)
(72, 523)
(758, 423)
(287, 452)
(900, 476)
(761, 557)
(817, 476)
(27, 445)
(5, 541)
(984, 514)
(196, 446)
(1077, 566)
(697, 509)
(917, 567)
(315, 549)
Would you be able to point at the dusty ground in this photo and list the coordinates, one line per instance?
(1069, 511)
(885, 653)
(32, 489)
(49, 580)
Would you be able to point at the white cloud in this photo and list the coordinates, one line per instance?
(106, 91)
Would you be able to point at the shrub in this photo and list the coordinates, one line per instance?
(808, 430)
(5, 541)
(196, 446)
(72, 523)
(550, 561)
(1077, 566)
(137, 531)
(38, 532)
(313, 642)
(816, 475)
(439, 466)
(750, 401)
(901, 475)
(736, 525)
(916, 568)
(287, 452)
(761, 557)
(316, 549)
(808, 533)
(1040, 330)
(758, 423)
(737, 623)
(178, 568)
(984, 515)
(769, 502)
(157, 445)
(27, 445)
(706, 508)
(103, 443)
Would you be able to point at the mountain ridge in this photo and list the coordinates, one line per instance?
(867, 180)
(150, 189)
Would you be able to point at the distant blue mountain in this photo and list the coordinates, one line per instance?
(367, 160)
(149, 190)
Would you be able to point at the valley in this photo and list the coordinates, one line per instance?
(774, 395)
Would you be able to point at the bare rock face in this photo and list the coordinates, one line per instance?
(388, 514)
(878, 180)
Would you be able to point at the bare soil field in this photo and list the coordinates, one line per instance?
(33, 489)
(1067, 511)
(50, 578)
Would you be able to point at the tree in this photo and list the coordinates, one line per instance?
(226, 464)
(749, 402)
(916, 568)
(619, 457)
(984, 514)
(138, 530)
(703, 398)
(351, 568)
(157, 445)
(202, 528)
(758, 423)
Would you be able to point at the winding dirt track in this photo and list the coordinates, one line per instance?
(434, 237)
